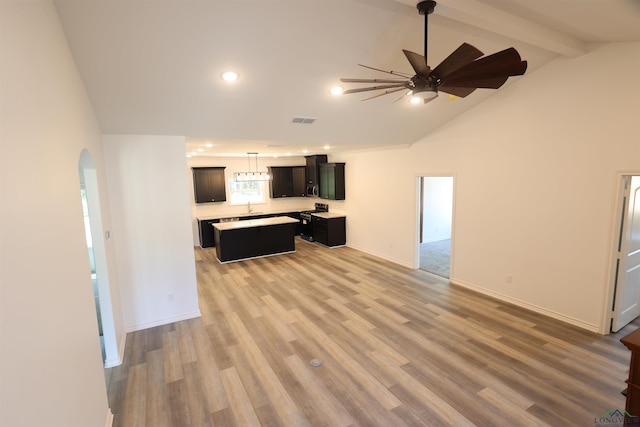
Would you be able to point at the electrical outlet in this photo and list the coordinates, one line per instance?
(509, 279)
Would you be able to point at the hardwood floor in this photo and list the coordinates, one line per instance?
(399, 347)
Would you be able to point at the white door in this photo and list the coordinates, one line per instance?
(627, 298)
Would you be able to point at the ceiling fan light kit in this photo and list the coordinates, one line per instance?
(426, 95)
(461, 73)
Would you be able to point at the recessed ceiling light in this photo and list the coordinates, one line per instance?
(200, 150)
(229, 76)
(326, 147)
(208, 145)
(337, 90)
(305, 151)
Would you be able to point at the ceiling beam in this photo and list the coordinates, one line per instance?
(488, 18)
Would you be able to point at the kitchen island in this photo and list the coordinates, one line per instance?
(237, 240)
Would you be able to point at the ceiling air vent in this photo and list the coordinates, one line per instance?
(303, 120)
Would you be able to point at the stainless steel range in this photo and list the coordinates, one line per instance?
(306, 221)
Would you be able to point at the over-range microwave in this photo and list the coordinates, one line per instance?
(312, 190)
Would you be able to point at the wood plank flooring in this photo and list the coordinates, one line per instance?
(399, 347)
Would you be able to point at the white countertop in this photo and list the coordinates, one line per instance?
(251, 223)
(246, 214)
(328, 215)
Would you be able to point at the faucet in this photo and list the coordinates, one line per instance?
(249, 210)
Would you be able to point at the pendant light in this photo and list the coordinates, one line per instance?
(251, 175)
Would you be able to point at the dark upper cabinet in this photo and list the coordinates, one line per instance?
(313, 165)
(299, 174)
(287, 181)
(281, 183)
(332, 181)
(209, 184)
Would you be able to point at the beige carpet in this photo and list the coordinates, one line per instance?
(435, 257)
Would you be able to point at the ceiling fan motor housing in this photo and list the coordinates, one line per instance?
(426, 7)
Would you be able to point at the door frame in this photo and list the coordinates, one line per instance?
(619, 212)
(89, 178)
(417, 235)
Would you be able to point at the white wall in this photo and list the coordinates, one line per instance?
(151, 229)
(51, 371)
(437, 205)
(536, 171)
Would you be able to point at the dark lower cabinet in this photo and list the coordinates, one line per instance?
(205, 229)
(329, 231)
(209, 184)
(332, 181)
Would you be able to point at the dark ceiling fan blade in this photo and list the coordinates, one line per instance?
(457, 91)
(386, 92)
(372, 80)
(418, 62)
(463, 55)
(459, 74)
(395, 73)
(494, 83)
(502, 64)
(364, 89)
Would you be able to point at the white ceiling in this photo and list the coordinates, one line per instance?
(153, 67)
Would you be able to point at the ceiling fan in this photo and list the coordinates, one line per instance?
(459, 74)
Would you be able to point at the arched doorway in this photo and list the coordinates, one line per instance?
(89, 192)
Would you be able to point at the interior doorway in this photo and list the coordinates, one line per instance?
(89, 193)
(626, 255)
(436, 224)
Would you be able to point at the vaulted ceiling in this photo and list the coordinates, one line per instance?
(153, 67)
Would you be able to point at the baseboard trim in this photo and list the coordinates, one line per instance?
(110, 363)
(123, 343)
(385, 257)
(540, 310)
(160, 322)
(109, 422)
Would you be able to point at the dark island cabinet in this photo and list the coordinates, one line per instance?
(209, 184)
(332, 181)
(206, 229)
(329, 231)
(287, 181)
